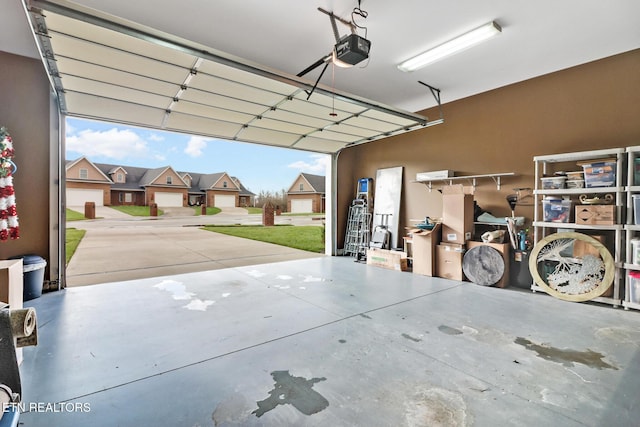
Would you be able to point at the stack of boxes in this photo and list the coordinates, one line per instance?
(457, 228)
(440, 252)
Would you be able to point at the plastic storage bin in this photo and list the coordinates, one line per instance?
(575, 183)
(33, 269)
(556, 210)
(553, 182)
(600, 174)
(636, 209)
(635, 251)
(634, 286)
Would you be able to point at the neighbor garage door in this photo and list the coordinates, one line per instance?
(169, 200)
(79, 196)
(301, 206)
(225, 201)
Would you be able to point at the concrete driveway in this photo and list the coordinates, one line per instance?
(118, 247)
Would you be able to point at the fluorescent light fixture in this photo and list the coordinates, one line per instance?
(452, 46)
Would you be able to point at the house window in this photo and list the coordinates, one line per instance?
(120, 177)
(128, 197)
(169, 180)
(301, 187)
(84, 173)
(224, 184)
(120, 198)
(188, 181)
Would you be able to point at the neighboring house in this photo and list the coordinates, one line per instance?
(106, 184)
(306, 194)
(86, 183)
(214, 189)
(245, 197)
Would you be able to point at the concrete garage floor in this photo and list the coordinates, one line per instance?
(327, 342)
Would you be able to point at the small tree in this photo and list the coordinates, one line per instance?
(278, 198)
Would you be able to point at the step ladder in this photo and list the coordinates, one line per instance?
(358, 233)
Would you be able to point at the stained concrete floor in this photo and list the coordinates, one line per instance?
(327, 342)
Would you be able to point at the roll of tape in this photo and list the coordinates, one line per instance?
(23, 322)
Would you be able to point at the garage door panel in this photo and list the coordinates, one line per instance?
(168, 200)
(79, 196)
(225, 201)
(301, 206)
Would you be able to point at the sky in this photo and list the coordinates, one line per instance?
(259, 167)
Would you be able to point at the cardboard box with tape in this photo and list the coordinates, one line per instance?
(457, 213)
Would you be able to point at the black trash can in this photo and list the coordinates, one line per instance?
(33, 268)
(519, 273)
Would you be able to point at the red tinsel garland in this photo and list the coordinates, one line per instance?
(8, 213)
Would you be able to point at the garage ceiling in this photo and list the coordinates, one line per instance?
(538, 38)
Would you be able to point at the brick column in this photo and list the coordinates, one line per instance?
(90, 210)
(268, 214)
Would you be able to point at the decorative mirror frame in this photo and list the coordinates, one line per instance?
(546, 247)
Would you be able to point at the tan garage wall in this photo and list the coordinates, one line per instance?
(24, 110)
(593, 106)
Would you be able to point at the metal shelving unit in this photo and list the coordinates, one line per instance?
(543, 167)
(631, 229)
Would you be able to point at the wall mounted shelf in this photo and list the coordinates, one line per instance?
(473, 179)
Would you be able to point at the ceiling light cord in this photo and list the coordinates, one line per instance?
(363, 14)
(358, 11)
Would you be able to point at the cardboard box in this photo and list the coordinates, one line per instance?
(392, 260)
(504, 249)
(449, 262)
(596, 214)
(434, 175)
(457, 213)
(582, 248)
(424, 250)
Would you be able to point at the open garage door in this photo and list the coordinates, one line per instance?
(168, 200)
(79, 196)
(301, 206)
(224, 201)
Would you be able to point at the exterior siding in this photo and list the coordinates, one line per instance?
(92, 173)
(230, 184)
(305, 185)
(175, 178)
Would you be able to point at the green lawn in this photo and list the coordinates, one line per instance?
(210, 211)
(72, 240)
(135, 210)
(254, 210)
(74, 216)
(308, 238)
